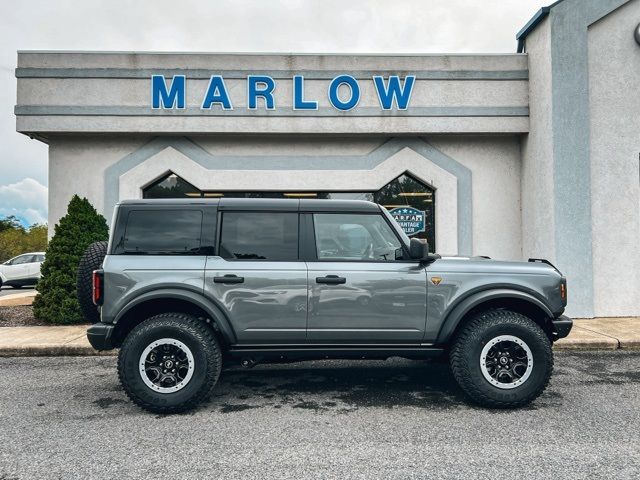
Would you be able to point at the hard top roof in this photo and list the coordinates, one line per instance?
(285, 204)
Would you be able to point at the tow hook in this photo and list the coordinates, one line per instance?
(248, 362)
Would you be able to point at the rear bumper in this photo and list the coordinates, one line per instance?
(100, 336)
(561, 327)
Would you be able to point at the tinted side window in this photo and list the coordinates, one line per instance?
(22, 259)
(354, 237)
(162, 232)
(259, 236)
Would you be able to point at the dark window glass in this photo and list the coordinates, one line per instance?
(22, 259)
(163, 232)
(355, 237)
(411, 202)
(39, 258)
(171, 186)
(259, 236)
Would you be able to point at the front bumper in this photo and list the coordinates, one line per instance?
(561, 327)
(100, 336)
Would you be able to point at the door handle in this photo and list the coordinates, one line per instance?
(331, 280)
(228, 279)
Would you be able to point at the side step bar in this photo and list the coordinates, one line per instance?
(296, 353)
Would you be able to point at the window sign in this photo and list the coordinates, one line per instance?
(410, 219)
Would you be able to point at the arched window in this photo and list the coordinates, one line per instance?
(171, 186)
(410, 201)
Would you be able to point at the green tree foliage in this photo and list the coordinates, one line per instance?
(15, 239)
(56, 301)
(9, 223)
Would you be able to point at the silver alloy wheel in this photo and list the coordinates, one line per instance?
(166, 365)
(506, 361)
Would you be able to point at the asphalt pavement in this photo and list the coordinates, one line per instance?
(4, 291)
(67, 417)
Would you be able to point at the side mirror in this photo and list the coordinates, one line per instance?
(418, 250)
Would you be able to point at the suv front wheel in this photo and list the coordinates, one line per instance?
(502, 359)
(170, 363)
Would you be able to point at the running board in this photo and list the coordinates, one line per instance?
(294, 353)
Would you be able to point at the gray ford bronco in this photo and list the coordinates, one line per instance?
(184, 286)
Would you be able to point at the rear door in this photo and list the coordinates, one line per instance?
(34, 266)
(361, 290)
(257, 276)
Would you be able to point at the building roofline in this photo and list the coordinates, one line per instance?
(532, 24)
(298, 54)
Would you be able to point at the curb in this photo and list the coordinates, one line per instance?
(54, 351)
(46, 341)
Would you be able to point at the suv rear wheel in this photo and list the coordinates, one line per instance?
(170, 363)
(502, 359)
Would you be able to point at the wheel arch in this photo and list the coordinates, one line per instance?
(503, 298)
(172, 300)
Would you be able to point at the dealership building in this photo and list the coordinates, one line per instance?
(530, 154)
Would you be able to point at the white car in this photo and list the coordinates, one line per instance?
(21, 270)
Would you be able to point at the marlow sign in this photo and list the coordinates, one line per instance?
(172, 94)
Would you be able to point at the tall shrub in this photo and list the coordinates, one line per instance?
(56, 301)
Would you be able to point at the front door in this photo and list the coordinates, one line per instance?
(18, 268)
(257, 277)
(360, 288)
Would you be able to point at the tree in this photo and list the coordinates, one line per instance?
(10, 223)
(14, 239)
(56, 301)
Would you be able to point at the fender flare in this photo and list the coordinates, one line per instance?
(213, 310)
(457, 313)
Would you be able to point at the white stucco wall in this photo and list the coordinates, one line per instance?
(614, 101)
(77, 165)
(495, 164)
(538, 229)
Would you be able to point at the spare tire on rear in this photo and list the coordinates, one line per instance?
(91, 260)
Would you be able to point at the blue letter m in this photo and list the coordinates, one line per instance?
(175, 97)
(394, 90)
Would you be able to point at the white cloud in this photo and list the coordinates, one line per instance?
(26, 199)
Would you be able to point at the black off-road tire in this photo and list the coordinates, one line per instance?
(198, 336)
(91, 260)
(465, 357)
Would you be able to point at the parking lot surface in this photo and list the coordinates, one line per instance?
(67, 417)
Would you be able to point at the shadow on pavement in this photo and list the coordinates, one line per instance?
(341, 389)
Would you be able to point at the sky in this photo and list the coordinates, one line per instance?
(306, 26)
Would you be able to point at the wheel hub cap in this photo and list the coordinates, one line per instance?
(506, 361)
(166, 365)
